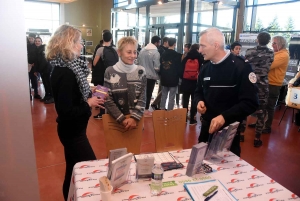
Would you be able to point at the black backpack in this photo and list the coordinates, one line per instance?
(110, 56)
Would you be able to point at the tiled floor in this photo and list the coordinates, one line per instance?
(279, 157)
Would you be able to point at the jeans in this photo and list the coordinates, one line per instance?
(274, 92)
(77, 148)
(149, 90)
(172, 92)
(47, 84)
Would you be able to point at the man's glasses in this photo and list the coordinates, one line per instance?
(274, 43)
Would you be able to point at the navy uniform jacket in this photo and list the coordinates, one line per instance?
(227, 88)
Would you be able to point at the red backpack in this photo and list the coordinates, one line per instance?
(191, 69)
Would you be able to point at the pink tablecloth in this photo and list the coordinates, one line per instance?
(243, 180)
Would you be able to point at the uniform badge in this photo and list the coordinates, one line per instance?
(252, 77)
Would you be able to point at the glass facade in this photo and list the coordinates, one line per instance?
(41, 15)
(278, 17)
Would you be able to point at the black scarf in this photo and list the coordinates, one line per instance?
(81, 71)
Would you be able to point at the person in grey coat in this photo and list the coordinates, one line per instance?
(149, 58)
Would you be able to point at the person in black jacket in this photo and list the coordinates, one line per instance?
(72, 96)
(226, 91)
(188, 86)
(43, 67)
(31, 56)
(169, 74)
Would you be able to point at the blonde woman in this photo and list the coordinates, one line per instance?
(72, 97)
(127, 83)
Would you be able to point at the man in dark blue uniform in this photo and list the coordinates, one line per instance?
(226, 91)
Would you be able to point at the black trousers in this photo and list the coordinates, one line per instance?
(206, 137)
(47, 84)
(149, 90)
(77, 148)
(185, 103)
(34, 82)
(102, 111)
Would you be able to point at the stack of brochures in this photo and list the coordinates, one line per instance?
(196, 158)
(221, 141)
(166, 159)
(197, 191)
(113, 155)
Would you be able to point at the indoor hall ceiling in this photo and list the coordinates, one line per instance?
(57, 1)
(173, 8)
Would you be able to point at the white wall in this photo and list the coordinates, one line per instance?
(18, 173)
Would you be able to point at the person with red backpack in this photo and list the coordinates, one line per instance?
(189, 73)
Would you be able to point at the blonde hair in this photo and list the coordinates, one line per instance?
(62, 43)
(126, 40)
(214, 35)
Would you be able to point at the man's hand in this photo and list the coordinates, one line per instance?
(201, 107)
(216, 123)
(95, 101)
(129, 123)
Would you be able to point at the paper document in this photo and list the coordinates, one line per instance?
(197, 189)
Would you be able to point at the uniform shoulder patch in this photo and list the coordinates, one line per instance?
(252, 77)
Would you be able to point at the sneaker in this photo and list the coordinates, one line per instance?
(49, 101)
(36, 96)
(257, 143)
(252, 125)
(242, 138)
(154, 107)
(98, 116)
(193, 122)
(266, 130)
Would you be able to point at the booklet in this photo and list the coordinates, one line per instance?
(114, 154)
(197, 189)
(120, 169)
(101, 92)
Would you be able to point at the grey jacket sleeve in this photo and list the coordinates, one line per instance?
(138, 111)
(156, 61)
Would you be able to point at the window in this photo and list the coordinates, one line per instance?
(40, 15)
(224, 18)
(119, 3)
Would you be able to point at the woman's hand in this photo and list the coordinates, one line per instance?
(290, 85)
(95, 101)
(129, 123)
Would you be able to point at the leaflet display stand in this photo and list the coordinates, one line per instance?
(221, 143)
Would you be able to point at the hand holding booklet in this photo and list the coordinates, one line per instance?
(101, 92)
(197, 191)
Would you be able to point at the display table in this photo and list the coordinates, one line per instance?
(240, 178)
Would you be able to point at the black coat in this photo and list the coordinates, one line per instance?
(190, 85)
(41, 65)
(169, 68)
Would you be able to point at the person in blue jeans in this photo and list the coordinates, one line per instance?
(72, 97)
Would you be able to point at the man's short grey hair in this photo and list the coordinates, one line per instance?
(214, 35)
(281, 42)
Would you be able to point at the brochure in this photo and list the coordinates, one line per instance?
(120, 169)
(101, 91)
(114, 154)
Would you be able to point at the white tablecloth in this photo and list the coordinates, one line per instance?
(243, 180)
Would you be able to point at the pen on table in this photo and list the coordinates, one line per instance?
(209, 197)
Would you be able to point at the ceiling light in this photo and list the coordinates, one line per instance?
(83, 25)
(159, 2)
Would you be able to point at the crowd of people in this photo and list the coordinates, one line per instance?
(221, 85)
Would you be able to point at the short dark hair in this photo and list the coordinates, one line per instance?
(105, 30)
(188, 45)
(39, 38)
(32, 35)
(172, 41)
(155, 39)
(236, 43)
(165, 39)
(263, 38)
(195, 46)
(107, 36)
